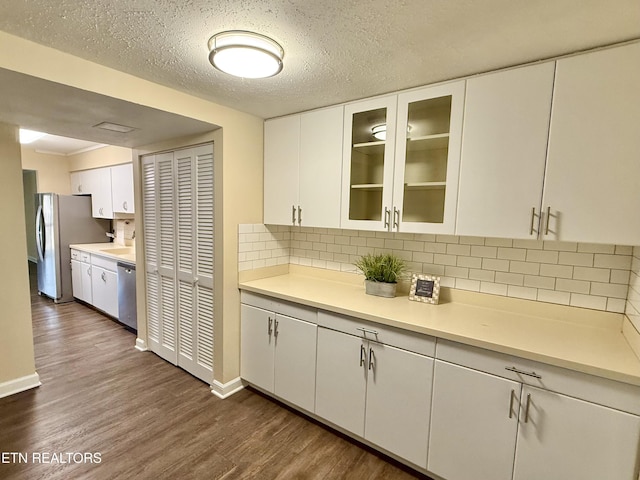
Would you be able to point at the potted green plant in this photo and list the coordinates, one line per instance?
(381, 273)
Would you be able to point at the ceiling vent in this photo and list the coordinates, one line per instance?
(114, 127)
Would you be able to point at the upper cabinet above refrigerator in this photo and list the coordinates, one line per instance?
(401, 160)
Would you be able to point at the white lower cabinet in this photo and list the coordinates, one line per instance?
(487, 426)
(563, 438)
(376, 391)
(81, 280)
(104, 289)
(278, 355)
(474, 424)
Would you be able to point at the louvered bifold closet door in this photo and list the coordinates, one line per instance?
(166, 255)
(195, 260)
(204, 258)
(152, 278)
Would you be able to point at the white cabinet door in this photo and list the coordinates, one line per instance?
(504, 150)
(281, 150)
(122, 188)
(367, 171)
(591, 183)
(320, 168)
(341, 380)
(86, 282)
(257, 346)
(98, 182)
(398, 401)
(427, 159)
(76, 183)
(295, 361)
(562, 438)
(104, 289)
(474, 421)
(76, 280)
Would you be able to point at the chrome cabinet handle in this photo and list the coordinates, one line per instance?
(533, 216)
(104, 277)
(372, 358)
(293, 214)
(511, 396)
(526, 409)
(366, 330)
(269, 327)
(522, 372)
(546, 230)
(363, 355)
(89, 271)
(124, 205)
(396, 218)
(299, 215)
(79, 188)
(275, 328)
(387, 218)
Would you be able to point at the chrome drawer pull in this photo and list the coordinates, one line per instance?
(366, 330)
(363, 355)
(520, 372)
(526, 410)
(371, 358)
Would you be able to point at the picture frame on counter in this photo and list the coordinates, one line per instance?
(425, 288)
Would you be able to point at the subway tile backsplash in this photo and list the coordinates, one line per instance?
(633, 298)
(577, 274)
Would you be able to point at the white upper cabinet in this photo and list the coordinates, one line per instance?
(504, 149)
(98, 182)
(593, 165)
(281, 151)
(122, 188)
(406, 178)
(367, 174)
(302, 167)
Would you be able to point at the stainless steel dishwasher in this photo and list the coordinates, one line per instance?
(127, 295)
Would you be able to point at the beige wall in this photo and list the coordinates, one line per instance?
(52, 170)
(16, 337)
(29, 183)
(238, 146)
(100, 157)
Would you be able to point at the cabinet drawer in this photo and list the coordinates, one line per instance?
(396, 337)
(105, 263)
(75, 254)
(618, 395)
(289, 309)
(85, 257)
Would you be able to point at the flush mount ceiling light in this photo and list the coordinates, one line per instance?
(28, 136)
(245, 54)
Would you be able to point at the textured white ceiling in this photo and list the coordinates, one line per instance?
(335, 50)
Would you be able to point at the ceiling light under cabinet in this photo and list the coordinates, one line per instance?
(245, 54)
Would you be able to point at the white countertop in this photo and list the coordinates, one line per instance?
(584, 340)
(108, 250)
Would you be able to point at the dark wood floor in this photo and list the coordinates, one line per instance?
(150, 420)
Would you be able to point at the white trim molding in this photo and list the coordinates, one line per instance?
(18, 385)
(141, 345)
(224, 390)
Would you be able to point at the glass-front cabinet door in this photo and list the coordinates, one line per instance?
(367, 177)
(427, 159)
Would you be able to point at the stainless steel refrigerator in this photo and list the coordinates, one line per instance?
(62, 220)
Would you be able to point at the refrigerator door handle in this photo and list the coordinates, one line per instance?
(40, 240)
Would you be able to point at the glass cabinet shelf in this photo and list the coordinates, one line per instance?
(428, 142)
(425, 185)
(368, 186)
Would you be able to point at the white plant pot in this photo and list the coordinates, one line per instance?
(380, 289)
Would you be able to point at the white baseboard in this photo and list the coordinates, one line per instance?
(224, 390)
(141, 345)
(18, 385)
